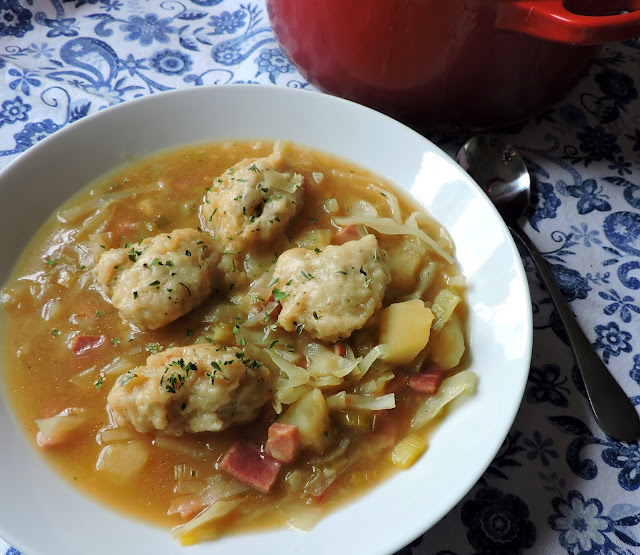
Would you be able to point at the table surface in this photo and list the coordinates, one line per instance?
(558, 483)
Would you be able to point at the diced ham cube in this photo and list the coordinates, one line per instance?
(273, 309)
(340, 349)
(347, 233)
(245, 462)
(273, 315)
(82, 343)
(428, 381)
(283, 443)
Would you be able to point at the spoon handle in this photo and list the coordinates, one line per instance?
(611, 406)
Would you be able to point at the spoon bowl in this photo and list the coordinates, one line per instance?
(502, 174)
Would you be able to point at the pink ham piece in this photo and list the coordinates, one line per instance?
(428, 381)
(348, 233)
(283, 443)
(245, 462)
(82, 343)
(340, 349)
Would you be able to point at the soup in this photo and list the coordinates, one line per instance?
(235, 336)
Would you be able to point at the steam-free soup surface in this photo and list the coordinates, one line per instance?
(248, 331)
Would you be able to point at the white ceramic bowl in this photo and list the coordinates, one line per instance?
(41, 513)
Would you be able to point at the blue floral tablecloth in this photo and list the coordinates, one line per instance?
(558, 483)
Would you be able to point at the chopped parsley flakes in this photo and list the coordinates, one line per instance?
(153, 348)
(279, 295)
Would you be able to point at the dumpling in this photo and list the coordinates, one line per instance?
(156, 281)
(190, 389)
(253, 201)
(331, 293)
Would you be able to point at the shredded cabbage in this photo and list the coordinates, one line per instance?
(427, 275)
(392, 201)
(188, 486)
(379, 351)
(376, 384)
(387, 226)
(370, 402)
(334, 454)
(260, 316)
(344, 400)
(84, 378)
(119, 365)
(363, 209)
(443, 306)
(107, 435)
(97, 220)
(323, 362)
(216, 489)
(287, 394)
(326, 381)
(295, 375)
(290, 386)
(462, 383)
(94, 204)
(337, 401)
(182, 445)
(186, 534)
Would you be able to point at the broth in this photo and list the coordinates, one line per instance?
(66, 346)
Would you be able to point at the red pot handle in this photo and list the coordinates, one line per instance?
(551, 20)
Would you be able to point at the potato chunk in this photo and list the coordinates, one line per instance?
(405, 327)
(311, 414)
(447, 344)
(124, 460)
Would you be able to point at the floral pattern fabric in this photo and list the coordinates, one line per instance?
(558, 484)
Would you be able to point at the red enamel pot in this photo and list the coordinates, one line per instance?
(470, 63)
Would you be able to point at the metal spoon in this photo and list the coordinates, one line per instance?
(501, 173)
